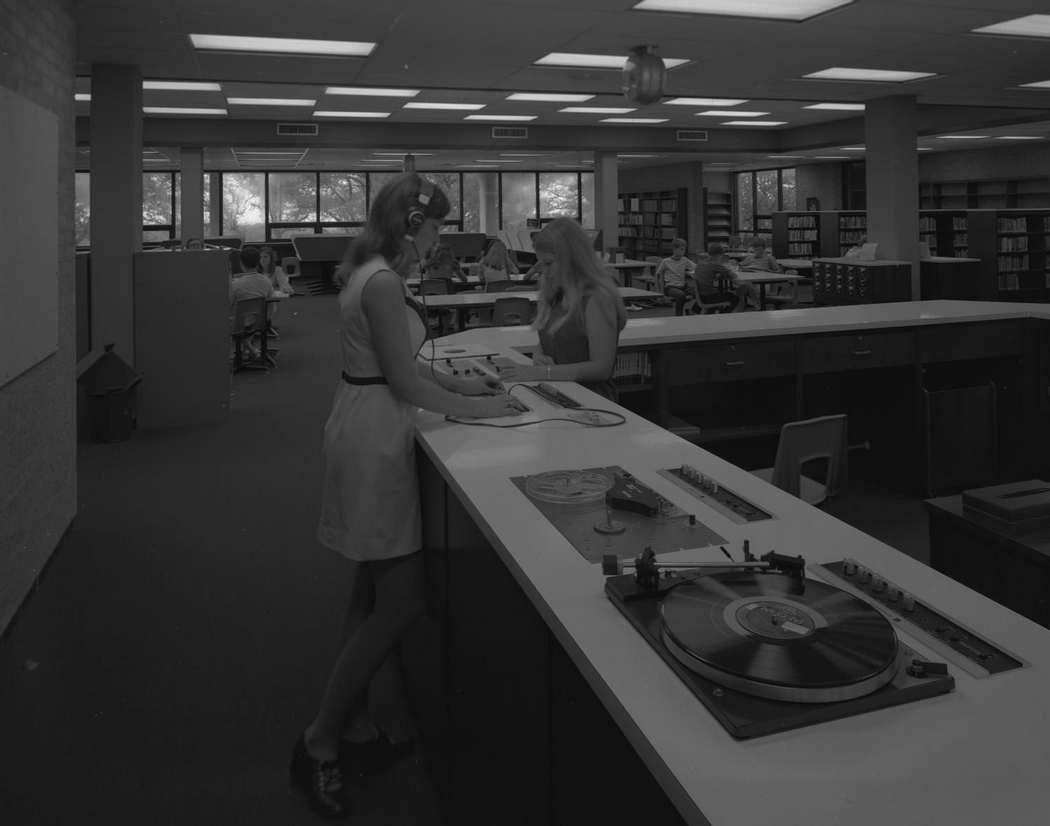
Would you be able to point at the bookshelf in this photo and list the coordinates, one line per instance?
(1002, 193)
(719, 217)
(812, 234)
(852, 229)
(764, 228)
(649, 221)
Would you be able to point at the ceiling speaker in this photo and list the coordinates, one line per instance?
(643, 76)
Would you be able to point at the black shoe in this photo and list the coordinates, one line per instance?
(374, 756)
(319, 781)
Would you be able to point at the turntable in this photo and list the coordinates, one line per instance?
(766, 649)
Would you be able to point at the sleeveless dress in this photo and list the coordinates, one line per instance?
(370, 498)
(568, 344)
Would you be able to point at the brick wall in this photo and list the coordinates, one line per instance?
(37, 409)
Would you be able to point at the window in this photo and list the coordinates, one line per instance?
(82, 209)
(243, 199)
(761, 193)
(559, 195)
(519, 199)
(342, 197)
(158, 206)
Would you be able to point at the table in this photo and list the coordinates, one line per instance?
(798, 264)
(630, 267)
(1011, 568)
(471, 282)
(462, 303)
(524, 625)
(762, 278)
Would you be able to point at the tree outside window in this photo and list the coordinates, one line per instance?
(559, 195)
(242, 205)
(343, 197)
(745, 201)
(82, 209)
(519, 199)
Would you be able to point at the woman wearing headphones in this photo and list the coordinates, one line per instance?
(579, 312)
(370, 509)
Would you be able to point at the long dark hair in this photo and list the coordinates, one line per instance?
(268, 270)
(387, 223)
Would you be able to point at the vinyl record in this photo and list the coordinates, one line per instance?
(753, 633)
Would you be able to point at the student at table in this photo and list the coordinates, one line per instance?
(675, 274)
(579, 312)
(268, 266)
(443, 264)
(250, 282)
(497, 264)
(370, 510)
(712, 272)
(760, 259)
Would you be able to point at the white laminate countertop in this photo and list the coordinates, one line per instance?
(978, 755)
(861, 318)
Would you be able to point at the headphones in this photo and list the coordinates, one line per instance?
(417, 210)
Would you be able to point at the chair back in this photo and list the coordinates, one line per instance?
(869, 252)
(509, 311)
(499, 286)
(433, 286)
(290, 265)
(249, 315)
(821, 438)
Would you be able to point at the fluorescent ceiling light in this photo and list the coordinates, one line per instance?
(1031, 25)
(831, 157)
(402, 154)
(523, 154)
(576, 60)
(501, 117)
(730, 113)
(924, 149)
(550, 96)
(960, 137)
(271, 102)
(180, 86)
(597, 110)
(838, 107)
(794, 10)
(156, 160)
(785, 157)
(754, 123)
(82, 96)
(705, 101)
(636, 156)
(365, 91)
(721, 163)
(180, 110)
(853, 148)
(1018, 137)
(240, 152)
(465, 106)
(1040, 84)
(878, 75)
(281, 45)
(330, 114)
(492, 160)
(633, 120)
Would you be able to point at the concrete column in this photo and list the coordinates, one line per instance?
(606, 195)
(892, 167)
(192, 207)
(488, 206)
(214, 203)
(116, 201)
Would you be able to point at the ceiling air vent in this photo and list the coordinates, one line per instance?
(690, 135)
(510, 132)
(297, 129)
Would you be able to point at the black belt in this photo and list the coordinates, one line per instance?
(363, 379)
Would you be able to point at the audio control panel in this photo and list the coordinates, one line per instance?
(965, 648)
(710, 492)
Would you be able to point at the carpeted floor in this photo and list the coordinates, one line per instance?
(181, 636)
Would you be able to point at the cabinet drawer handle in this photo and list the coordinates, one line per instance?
(860, 352)
(734, 364)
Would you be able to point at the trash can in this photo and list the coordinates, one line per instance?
(110, 388)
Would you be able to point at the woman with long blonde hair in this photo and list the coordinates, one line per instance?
(579, 312)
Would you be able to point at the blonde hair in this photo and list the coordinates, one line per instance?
(575, 274)
(498, 258)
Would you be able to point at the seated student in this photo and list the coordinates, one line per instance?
(855, 250)
(760, 258)
(579, 313)
(674, 274)
(708, 274)
(497, 264)
(193, 244)
(268, 266)
(250, 282)
(443, 264)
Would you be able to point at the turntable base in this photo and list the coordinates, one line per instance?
(773, 697)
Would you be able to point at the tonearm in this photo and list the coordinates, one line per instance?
(647, 569)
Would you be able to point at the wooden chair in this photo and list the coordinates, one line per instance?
(290, 265)
(804, 441)
(249, 322)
